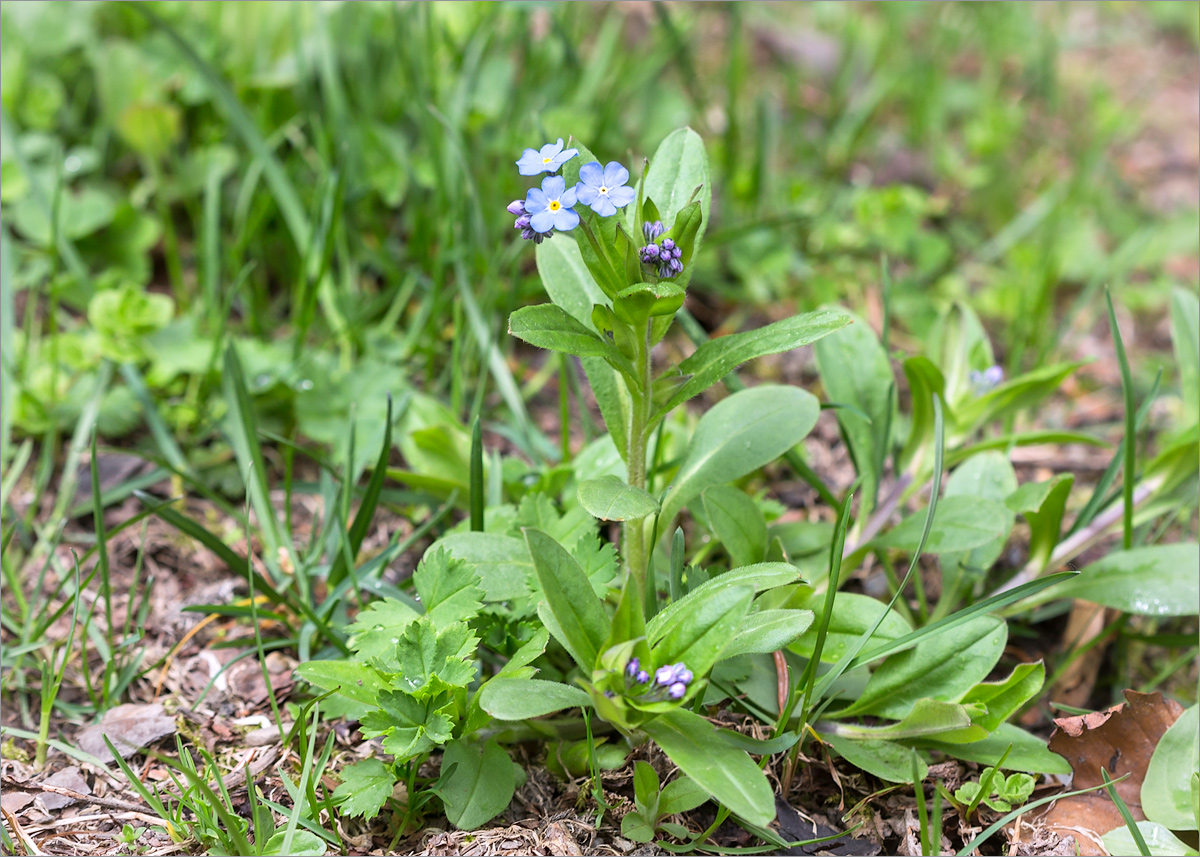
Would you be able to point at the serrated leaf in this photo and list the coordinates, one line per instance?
(364, 789)
(410, 726)
(448, 588)
(378, 628)
(502, 562)
(359, 682)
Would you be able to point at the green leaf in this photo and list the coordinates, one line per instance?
(1021, 392)
(1167, 795)
(855, 370)
(884, 759)
(305, 843)
(738, 435)
(1159, 839)
(853, 615)
(987, 476)
(727, 774)
(1043, 505)
(476, 783)
(611, 499)
(947, 721)
(766, 631)
(1004, 698)
(641, 301)
(716, 358)
(679, 167)
(956, 527)
(566, 279)
(697, 636)
(527, 654)
(354, 680)
(582, 623)
(924, 382)
(1029, 752)
(424, 652)
(737, 522)
(612, 396)
(681, 795)
(379, 626)
(1185, 336)
(521, 699)
(364, 789)
(636, 827)
(410, 726)
(943, 667)
(551, 327)
(502, 562)
(760, 577)
(447, 587)
(1158, 580)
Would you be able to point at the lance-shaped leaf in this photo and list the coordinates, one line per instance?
(611, 499)
(551, 327)
(582, 624)
(738, 435)
(520, 699)
(716, 358)
(726, 773)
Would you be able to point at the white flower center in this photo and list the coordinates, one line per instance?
(603, 190)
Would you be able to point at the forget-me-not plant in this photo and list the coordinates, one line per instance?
(546, 160)
(604, 190)
(552, 206)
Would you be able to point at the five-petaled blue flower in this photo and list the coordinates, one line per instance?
(604, 190)
(552, 206)
(548, 160)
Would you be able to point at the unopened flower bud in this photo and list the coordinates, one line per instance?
(516, 207)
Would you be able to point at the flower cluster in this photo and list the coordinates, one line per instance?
(988, 379)
(666, 257)
(670, 681)
(552, 206)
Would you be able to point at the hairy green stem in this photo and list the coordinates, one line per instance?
(634, 532)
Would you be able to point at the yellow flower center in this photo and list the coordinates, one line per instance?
(555, 205)
(547, 160)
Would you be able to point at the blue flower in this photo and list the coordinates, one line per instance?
(987, 380)
(604, 190)
(551, 207)
(548, 160)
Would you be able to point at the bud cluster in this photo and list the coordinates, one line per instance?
(669, 681)
(666, 256)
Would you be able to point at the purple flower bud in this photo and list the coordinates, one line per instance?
(653, 230)
(521, 222)
(677, 690)
(668, 244)
(631, 668)
(529, 234)
(678, 252)
(642, 677)
(517, 207)
(684, 674)
(649, 253)
(665, 676)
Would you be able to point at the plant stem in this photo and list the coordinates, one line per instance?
(634, 532)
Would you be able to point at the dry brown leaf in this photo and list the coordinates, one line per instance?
(1121, 740)
(130, 727)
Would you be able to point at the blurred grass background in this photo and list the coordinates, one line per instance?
(323, 185)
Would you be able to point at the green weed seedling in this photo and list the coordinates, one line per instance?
(995, 790)
(653, 803)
